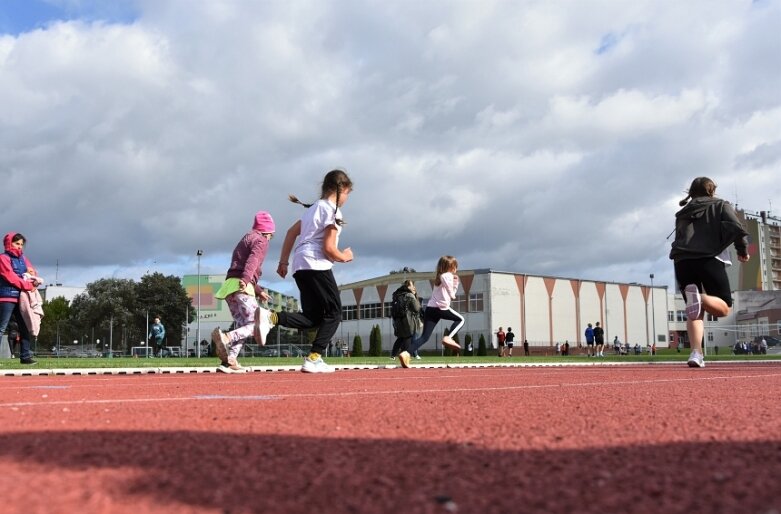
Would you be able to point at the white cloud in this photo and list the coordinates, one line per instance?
(548, 137)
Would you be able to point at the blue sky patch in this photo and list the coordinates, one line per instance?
(20, 16)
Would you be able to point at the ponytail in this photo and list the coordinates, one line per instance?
(295, 199)
(335, 181)
(685, 200)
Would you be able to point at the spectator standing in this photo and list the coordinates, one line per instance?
(17, 277)
(526, 347)
(157, 337)
(599, 340)
(509, 337)
(500, 339)
(589, 340)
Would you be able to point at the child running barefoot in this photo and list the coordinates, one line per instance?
(240, 291)
(438, 307)
(318, 248)
(704, 230)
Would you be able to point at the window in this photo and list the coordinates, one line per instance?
(387, 309)
(459, 304)
(476, 302)
(371, 311)
(670, 315)
(710, 337)
(349, 312)
(680, 315)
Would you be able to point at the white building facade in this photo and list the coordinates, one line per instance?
(543, 310)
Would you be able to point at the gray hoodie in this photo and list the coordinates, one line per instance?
(705, 227)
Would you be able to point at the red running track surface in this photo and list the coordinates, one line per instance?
(566, 439)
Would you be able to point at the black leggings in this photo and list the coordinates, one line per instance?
(430, 320)
(320, 305)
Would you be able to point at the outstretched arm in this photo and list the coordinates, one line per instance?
(287, 246)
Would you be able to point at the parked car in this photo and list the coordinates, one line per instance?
(770, 340)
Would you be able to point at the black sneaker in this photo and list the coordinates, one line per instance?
(28, 361)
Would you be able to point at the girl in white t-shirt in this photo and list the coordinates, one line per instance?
(318, 248)
(438, 307)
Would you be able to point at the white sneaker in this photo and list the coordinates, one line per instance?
(696, 360)
(693, 302)
(417, 357)
(316, 366)
(220, 341)
(262, 325)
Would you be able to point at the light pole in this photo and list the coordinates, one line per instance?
(653, 313)
(198, 253)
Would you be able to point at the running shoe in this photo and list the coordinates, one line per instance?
(404, 358)
(316, 366)
(693, 302)
(262, 325)
(220, 341)
(696, 360)
(417, 357)
(450, 343)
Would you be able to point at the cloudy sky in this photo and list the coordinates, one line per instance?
(547, 137)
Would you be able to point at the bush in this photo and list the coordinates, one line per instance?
(375, 342)
(468, 350)
(482, 351)
(357, 347)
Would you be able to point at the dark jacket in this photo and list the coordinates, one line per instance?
(705, 227)
(408, 325)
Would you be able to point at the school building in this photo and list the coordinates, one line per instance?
(541, 309)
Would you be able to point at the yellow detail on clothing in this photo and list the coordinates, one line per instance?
(313, 356)
(230, 286)
(274, 318)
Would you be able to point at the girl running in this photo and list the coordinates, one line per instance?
(318, 248)
(438, 307)
(241, 290)
(704, 230)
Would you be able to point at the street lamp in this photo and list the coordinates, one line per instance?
(198, 253)
(653, 313)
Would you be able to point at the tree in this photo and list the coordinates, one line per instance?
(164, 296)
(357, 346)
(375, 342)
(468, 350)
(482, 351)
(55, 322)
(107, 303)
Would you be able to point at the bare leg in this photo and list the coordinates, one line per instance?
(696, 328)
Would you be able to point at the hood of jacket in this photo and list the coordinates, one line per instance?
(401, 290)
(7, 245)
(696, 208)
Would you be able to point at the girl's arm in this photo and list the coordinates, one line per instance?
(287, 246)
(450, 284)
(330, 249)
(254, 261)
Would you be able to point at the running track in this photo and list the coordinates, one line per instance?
(649, 438)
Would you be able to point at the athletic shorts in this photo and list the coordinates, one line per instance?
(710, 276)
(509, 345)
(590, 343)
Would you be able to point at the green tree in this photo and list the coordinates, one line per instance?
(375, 342)
(106, 308)
(357, 346)
(55, 324)
(468, 345)
(482, 351)
(164, 296)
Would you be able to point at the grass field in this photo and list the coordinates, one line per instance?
(127, 362)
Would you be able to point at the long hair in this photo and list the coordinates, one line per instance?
(445, 265)
(335, 181)
(701, 186)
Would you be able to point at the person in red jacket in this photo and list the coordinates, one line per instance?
(16, 275)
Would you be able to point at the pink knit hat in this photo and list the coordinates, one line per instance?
(264, 222)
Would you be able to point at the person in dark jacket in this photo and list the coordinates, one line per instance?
(405, 327)
(704, 229)
(16, 275)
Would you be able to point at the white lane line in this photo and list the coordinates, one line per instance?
(390, 392)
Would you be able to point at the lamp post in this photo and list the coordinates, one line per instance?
(198, 253)
(653, 313)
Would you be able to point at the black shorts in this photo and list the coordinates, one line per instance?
(510, 344)
(710, 276)
(590, 343)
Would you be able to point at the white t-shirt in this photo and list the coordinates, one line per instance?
(309, 250)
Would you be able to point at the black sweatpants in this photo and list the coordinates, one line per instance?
(320, 305)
